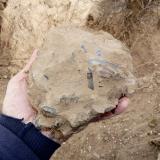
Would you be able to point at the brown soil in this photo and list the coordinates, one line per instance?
(128, 136)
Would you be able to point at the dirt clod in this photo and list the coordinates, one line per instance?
(84, 77)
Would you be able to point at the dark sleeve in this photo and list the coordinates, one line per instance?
(40, 145)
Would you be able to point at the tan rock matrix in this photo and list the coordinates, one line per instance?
(77, 76)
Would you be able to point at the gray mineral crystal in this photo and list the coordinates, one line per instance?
(78, 76)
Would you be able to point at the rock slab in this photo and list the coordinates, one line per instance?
(78, 76)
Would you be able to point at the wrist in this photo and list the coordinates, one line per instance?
(32, 136)
(25, 117)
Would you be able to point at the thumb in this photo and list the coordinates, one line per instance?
(122, 106)
(30, 62)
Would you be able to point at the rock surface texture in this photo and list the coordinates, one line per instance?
(78, 76)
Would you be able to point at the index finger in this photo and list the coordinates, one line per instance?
(30, 62)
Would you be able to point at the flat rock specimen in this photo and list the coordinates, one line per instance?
(78, 76)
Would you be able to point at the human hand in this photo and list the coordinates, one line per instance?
(16, 103)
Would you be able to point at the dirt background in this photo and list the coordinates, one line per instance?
(125, 137)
